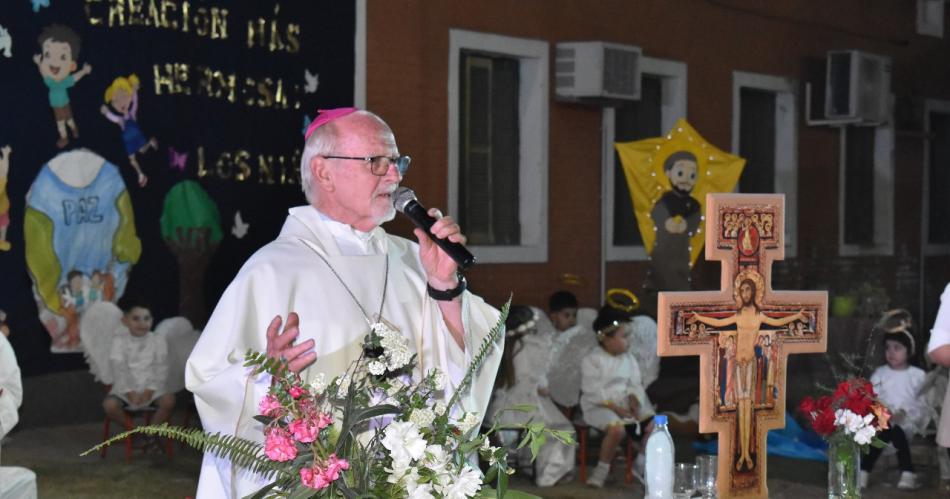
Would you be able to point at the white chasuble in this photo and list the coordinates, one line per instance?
(288, 276)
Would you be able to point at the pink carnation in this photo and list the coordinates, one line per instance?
(313, 478)
(278, 445)
(296, 392)
(335, 466)
(270, 406)
(323, 420)
(304, 430)
(316, 477)
(306, 405)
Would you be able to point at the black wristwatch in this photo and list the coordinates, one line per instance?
(448, 294)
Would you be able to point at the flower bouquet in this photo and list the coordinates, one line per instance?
(370, 432)
(849, 419)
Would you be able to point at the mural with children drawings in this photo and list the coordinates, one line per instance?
(140, 139)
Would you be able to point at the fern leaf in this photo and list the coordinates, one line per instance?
(240, 452)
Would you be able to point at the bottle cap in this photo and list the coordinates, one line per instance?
(659, 419)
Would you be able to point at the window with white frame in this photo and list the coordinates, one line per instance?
(936, 182)
(498, 143)
(866, 191)
(765, 133)
(662, 102)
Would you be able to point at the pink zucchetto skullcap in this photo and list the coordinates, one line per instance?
(327, 115)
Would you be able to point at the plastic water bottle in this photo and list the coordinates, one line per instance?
(659, 467)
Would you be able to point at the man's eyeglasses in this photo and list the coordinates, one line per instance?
(379, 165)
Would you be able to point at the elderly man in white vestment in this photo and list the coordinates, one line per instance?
(15, 482)
(330, 273)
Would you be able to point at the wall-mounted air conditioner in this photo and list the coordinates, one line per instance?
(857, 87)
(597, 72)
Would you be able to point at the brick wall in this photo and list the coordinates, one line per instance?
(407, 59)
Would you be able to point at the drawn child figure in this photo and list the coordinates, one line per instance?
(59, 47)
(121, 108)
(4, 199)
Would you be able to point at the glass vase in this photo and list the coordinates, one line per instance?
(844, 459)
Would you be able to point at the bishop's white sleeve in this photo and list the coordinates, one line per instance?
(226, 396)
(940, 334)
(478, 319)
(10, 383)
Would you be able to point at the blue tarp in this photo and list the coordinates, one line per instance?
(792, 441)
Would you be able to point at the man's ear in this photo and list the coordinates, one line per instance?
(322, 173)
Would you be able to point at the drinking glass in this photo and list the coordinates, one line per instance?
(707, 469)
(684, 480)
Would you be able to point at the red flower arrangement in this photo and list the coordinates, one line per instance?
(853, 408)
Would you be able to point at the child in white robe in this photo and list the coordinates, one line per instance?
(525, 359)
(570, 329)
(15, 482)
(897, 384)
(613, 398)
(139, 360)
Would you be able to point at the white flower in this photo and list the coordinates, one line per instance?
(404, 442)
(468, 483)
(865, 435)
(422, 417)
(376, 368)
(439, 408)
(423, 491)
(438, 379)
(398, 358)
(395, 385)
(319, 383)
(466, 424)
(853, 424)
(343, 383)
(401, 470)
(489, 450)
(436, 459)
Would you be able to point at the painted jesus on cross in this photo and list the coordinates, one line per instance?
(748, 296)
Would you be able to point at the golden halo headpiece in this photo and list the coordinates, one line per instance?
(614, 293)
(755, 277)
(898, 321)
(570, 279)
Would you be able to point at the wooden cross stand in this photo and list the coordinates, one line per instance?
(743, 335)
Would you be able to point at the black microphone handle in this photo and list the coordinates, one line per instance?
(418, 215)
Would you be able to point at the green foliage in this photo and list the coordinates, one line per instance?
(242, 453)
(488, 344)
(262, 363)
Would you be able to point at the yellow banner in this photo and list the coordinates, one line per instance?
(645, 165)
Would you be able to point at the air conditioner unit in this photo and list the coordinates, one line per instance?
(597, 72)
(858, 86)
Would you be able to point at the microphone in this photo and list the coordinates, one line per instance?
(404, 200)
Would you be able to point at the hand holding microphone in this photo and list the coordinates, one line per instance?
(404, 200)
